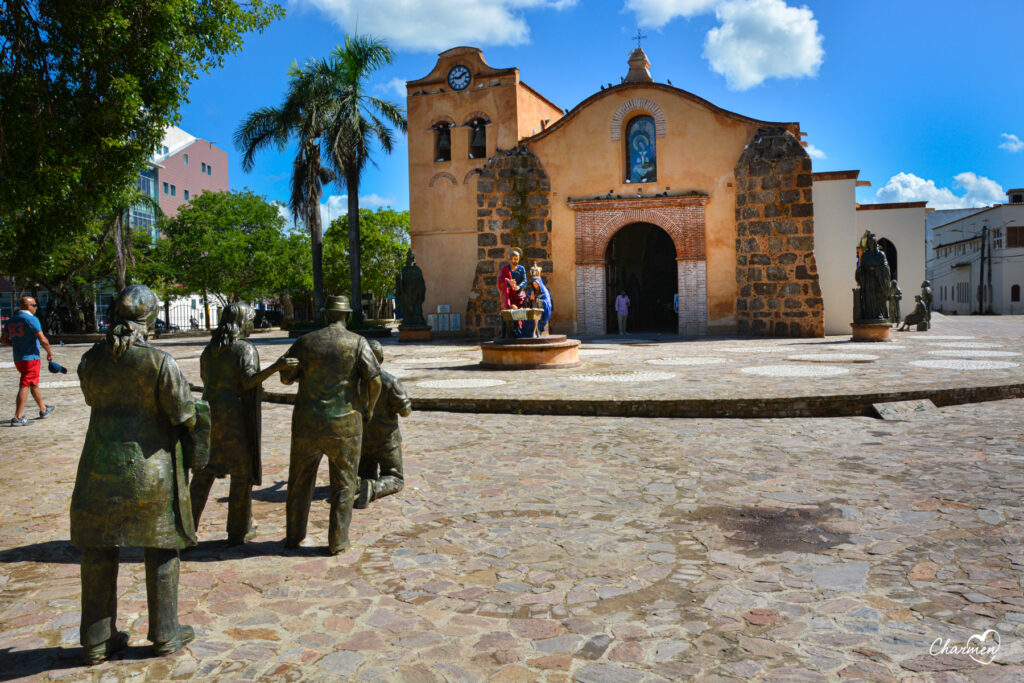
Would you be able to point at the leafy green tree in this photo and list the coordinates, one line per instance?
(299, 117)
(354, 121)
(87, 91)
(384, 235)
(231, 245)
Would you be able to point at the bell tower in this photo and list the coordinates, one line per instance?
(460, 115)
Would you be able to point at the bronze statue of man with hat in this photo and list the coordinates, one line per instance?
(233, 386)
(339, 382)
(131, 485)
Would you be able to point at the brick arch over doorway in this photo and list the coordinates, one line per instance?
(597, 220)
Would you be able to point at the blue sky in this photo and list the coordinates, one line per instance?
(925, 98)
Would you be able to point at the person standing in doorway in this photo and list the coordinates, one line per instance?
(24, 332)
(622, 310)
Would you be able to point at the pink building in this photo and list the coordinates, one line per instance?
(185, 167)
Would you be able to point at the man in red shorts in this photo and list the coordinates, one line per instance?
(25, 334)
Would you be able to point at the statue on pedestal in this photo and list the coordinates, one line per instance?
(512, 292)
(411, 290)
(873, 278)
(131, 484)
(537, 296)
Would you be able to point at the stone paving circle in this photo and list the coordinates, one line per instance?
(623, 377)
(460, 383)
(688, 360)
(794, 370)
(963, 364)
(972, 353)
(833, 357)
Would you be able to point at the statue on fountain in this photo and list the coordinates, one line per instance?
(512, 292)
(537, 297)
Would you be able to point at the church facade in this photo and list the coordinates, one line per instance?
(704, 217)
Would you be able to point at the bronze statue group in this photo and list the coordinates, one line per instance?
(877, 297)
(146, 432)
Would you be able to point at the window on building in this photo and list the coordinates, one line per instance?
(165, 150)
(209, 170)
(186, 195)
(184, 158)
(167, 188)
(1015, 236)
(173, 190)
(1015, 293)
(202, 167)
(641, 151)
(443, 142)
(997, 238)
(477, 139)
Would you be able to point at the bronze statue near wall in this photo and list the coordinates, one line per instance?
(873, 278)
(411, 290)
(232, 385)
(130, 489)
(339, 382)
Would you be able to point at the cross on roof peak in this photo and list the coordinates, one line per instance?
(638, 37)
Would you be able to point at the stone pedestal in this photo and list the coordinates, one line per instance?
(531, 353)
(414, 334)
(871, 332)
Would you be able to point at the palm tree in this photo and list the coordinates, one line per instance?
(301, 116)
(354, 120)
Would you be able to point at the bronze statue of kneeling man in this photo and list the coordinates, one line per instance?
(339, 382)
(380, 464)
(130, 489)
(232, 385)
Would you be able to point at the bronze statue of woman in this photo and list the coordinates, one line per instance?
(232, 385)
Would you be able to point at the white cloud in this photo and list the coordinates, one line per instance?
(1012, 143)
(761, 39)
(657, 13)
(336, 206)
(978, 191)
(439, 24)
(395, 86)
(815, 153)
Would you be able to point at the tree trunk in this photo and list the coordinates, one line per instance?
(354, 245)
(289, 308)
(316, 243)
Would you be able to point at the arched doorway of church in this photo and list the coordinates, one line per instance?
(641, 259)
(889, 249)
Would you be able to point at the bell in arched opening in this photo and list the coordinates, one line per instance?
(478, 139)
(442, 143)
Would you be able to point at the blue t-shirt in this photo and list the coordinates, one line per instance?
(22, 329)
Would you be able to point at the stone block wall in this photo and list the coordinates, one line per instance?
(513, 210)
(779, 294)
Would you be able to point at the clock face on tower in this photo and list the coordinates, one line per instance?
(458, 77)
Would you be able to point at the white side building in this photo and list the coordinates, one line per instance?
(978, 260)
(839, 223)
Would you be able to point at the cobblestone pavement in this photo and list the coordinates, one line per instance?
(540, 548)
(533, 548)
(968, 351)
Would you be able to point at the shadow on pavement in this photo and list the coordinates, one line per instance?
(33, 662)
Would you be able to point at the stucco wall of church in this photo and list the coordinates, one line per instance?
(442, 194)
(698, 152)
